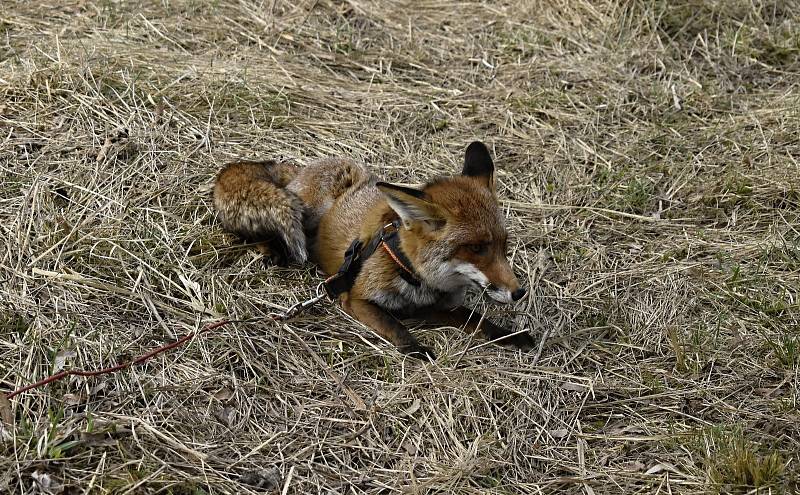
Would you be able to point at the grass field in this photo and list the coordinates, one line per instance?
(648, 162)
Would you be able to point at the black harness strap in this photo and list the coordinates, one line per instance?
(392, 242)
(343, 280)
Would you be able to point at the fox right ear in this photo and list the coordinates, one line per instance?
(478, 163)
(411, 205)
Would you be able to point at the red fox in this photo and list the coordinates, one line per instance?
(437, 241)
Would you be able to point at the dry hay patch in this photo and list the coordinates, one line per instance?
(647, 160)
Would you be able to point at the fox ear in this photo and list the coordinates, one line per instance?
(478, 163)
(412, 205)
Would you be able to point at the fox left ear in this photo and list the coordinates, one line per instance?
(478, 163)
(412, 205)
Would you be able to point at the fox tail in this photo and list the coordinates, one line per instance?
(252, 201)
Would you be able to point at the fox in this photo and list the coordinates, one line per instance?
(446, 237)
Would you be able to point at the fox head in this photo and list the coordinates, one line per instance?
(455, 233)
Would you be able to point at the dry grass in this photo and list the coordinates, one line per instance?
(648, 156)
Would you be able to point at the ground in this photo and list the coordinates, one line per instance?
(648, 164)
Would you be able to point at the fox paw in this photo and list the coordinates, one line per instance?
(271, 256)
(274, 260)
(418, 351)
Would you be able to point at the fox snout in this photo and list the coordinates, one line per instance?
(497, 279)
(504, 295)
(503, 284)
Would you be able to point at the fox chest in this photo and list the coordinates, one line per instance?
(403, 297)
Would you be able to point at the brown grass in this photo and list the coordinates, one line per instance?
(648, 154)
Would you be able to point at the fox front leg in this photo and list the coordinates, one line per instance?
(463, 317)
(387, 327)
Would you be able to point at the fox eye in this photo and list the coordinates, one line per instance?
(479, 249)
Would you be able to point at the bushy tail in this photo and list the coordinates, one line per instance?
(252, 202)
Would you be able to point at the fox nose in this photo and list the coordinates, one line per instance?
(518, 294)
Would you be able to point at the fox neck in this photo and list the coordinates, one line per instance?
(423, 256)
(431, 272)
